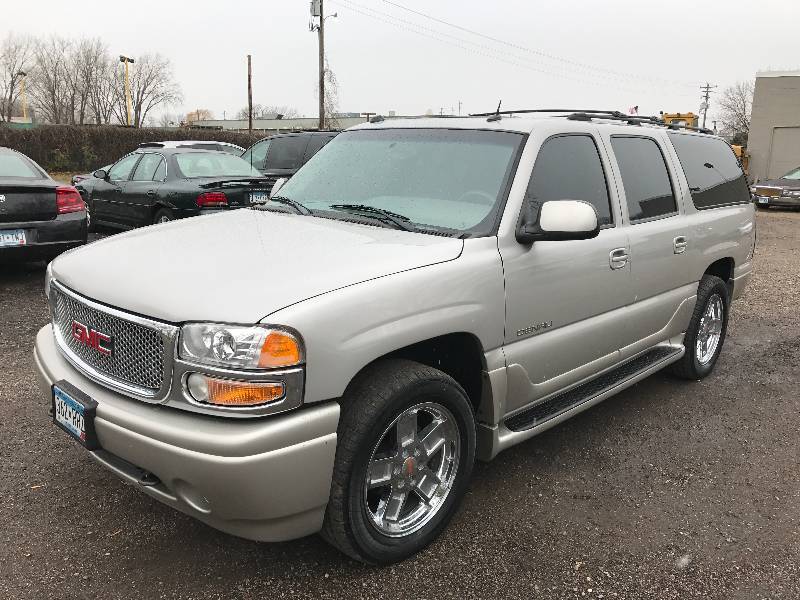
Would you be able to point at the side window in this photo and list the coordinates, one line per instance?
(161, 171)
(714, 175)
(644, 176)
(569, 168)
(287, 152)
(146, 167)
(256, 154)
(122, 169)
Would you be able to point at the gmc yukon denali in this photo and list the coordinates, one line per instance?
(422, 293)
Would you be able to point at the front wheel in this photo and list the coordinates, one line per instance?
(406, 448)
(163, 215)
(707, 328)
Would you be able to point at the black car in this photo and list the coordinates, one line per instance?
(155, 185)
(39, 217)
(283, 154)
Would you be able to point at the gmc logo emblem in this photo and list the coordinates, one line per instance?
(87, 336)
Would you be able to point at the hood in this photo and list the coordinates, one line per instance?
(241, 265)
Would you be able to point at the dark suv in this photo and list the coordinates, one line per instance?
(283, 154)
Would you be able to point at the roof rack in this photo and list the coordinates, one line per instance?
(588, 115)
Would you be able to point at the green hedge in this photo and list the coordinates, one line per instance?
(59, 148)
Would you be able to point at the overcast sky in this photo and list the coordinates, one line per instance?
(612, 54)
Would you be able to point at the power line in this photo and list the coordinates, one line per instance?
(481, 50)
(706, 90)
(541, 53)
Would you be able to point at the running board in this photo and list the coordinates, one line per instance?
(596, 389)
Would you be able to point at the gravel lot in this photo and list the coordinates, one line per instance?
(668, 490)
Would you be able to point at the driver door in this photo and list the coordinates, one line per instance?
(566, 300)
(107, 194)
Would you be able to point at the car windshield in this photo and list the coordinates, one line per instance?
(793, 174)
(12, 165)
(448, 179)
(214, 164)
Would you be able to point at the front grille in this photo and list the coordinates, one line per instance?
(769, 192)
(138, 351)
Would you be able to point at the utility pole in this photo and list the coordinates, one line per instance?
(706, 90)
(321, 34)
(249, 94)
(128, 103)
(459, 108)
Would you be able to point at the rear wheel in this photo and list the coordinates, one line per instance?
(404, 457)
(91, 226)
(707, 329)
(163, 215)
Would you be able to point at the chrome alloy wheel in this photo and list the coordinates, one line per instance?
(709, 332)
(164, 219)
(412, 469)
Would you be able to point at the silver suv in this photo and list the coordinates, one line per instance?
(421, 293)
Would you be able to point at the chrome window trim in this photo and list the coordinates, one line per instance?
(167, 331)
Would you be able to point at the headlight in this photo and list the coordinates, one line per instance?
(48, 276)
(240, 347)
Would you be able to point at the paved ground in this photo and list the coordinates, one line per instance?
(669, 490)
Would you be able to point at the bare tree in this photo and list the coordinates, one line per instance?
(269, 111)
(103, 92)
(152, 85)
(16, 58)
(51, 92)
(168, 120)
(736, 104)
(331, 98)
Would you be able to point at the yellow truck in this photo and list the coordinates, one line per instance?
(688, 119)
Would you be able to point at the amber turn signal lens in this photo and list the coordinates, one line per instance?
(225, 392)
(280, 349)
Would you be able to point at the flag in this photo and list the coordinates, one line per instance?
(633, 110)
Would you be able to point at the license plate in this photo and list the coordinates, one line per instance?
(73, 411)
(763, 200)
(12, 237)
(259, 197)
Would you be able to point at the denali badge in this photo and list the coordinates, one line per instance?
(87, 336)
(534, 328)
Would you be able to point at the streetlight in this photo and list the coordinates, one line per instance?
(126, 61)
(22, 75)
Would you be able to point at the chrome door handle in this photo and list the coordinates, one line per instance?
(679, 244)
(151, 193)
(618, 258)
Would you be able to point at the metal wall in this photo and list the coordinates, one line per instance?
(774, 140)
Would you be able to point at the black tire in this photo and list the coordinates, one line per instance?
(163, 215)
(690, 367)
(91, 224)
(371, 404)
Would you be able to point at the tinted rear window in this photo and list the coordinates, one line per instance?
(648, 190)
(13, 165)
(287, 152)
(213, 164)
(316, 143)
(714, 175)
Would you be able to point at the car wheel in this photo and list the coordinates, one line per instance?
(163, 215)
(91, 226)
(406, 448)
(707, 328)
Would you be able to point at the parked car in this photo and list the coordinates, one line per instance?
(156, 185)
(39, 217)
(197, 145)
(783, 191)
(280, 156)
(420, 293)
(78, 177)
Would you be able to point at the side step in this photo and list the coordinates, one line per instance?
(561, 403)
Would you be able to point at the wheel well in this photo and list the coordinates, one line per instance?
(722, 268)
(460, 355)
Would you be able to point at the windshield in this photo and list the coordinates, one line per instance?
(793, 174)
(214, 164)
(446, 179)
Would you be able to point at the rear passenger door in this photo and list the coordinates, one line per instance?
(566, 300)
(658, 239)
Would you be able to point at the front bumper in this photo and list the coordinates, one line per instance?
(262, 479)
(779, 201)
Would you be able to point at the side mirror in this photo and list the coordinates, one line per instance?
(277, 186)
(558, 220)
(100, 174)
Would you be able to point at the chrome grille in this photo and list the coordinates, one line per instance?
(138, 355)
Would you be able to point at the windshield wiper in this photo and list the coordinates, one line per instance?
(399, 221)
(301, 209)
